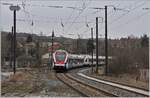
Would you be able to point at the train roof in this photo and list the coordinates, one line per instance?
(76, 56)
(60, 50)
(100, 57)
(82, 56)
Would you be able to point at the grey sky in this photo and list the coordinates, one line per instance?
(45, 19)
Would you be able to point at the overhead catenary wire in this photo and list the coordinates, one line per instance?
(137, 18)
(75, 0)
(111, 15)
(87, 30)
(72, 12)
(84, 7)
(116, 5)
(130, 6)
(44, 6)
(125, 14)
(60, 22)
(28, 15)
(130, 20)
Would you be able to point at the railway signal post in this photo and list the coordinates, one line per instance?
(14, 9)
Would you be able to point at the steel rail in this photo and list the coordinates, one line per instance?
(119, 87)
(82, 87)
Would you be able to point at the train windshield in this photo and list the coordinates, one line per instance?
(60, 56)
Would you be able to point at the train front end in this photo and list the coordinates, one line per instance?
(60, 60)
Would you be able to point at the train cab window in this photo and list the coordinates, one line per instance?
(60, 56)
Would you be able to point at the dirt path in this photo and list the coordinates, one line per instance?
(35, 82)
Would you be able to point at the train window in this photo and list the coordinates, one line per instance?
(60, 56)
(86, 60)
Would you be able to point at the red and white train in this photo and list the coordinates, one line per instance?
(62, 60)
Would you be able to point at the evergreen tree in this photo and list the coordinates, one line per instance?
(144, 41)
(38, 53)
(9, 36)
(90, 46)
(29, 39)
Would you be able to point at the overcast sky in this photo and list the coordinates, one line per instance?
(132, 19)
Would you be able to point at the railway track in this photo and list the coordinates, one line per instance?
(144, 89)
(93, 88)
(115, 82)
(117, 88)
(121, 91)
(82, 87)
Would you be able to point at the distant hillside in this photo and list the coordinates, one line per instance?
(36, 37)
